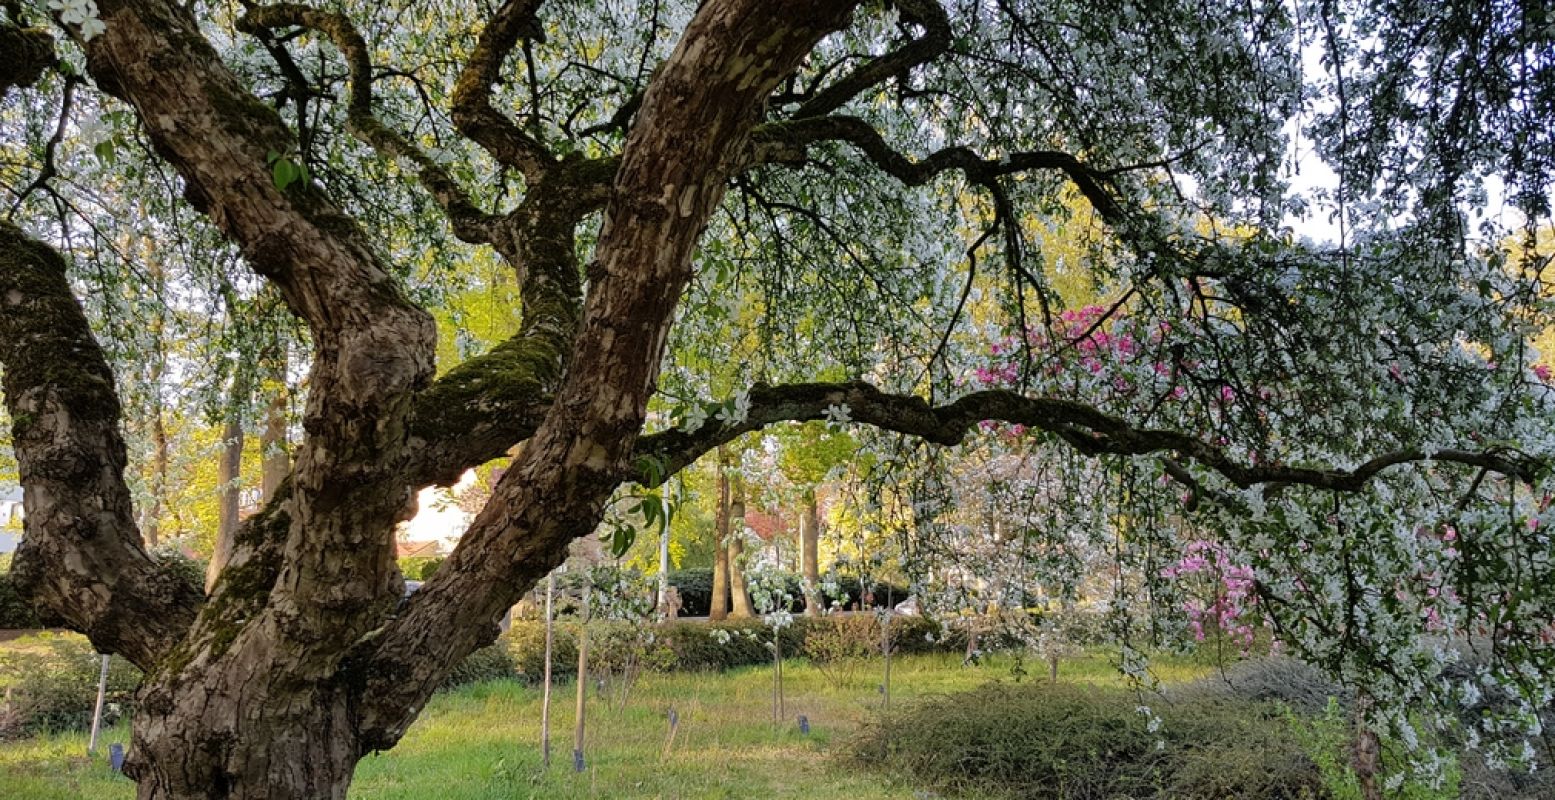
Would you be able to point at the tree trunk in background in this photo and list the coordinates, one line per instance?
(740, 597)
(229, 486)
(276, 460)
(159, 457)
(156, 485)
(809, 554)
(718, 609)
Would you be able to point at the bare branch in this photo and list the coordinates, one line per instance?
(469, 222)
(934, 42)
(788, 141)
(49, 169)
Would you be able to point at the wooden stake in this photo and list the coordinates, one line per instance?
(97, 715)
(583, 671)
(545, 701)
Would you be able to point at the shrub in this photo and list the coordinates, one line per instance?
(886, 594)
(688, 645)
(491, 662)
(51, 685)
(1084, 743)
(1300, 686)
(170, 559)
(1329, 740)
(695, 586)
(858, 636)
(419, 568)
(14, 611)
(526, 642)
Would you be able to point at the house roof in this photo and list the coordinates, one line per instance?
(10, 494)
(427, 549)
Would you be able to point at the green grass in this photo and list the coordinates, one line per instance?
(482, 741)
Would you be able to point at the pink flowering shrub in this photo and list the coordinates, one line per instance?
(1221, 592)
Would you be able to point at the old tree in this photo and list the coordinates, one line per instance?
(877, 194)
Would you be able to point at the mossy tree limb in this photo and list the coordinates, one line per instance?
(82, 556)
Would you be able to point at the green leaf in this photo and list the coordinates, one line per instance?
(652, 469)
(621, 540)
(286, 172)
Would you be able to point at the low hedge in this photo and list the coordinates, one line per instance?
(1079, 742)
(695, 586)
(492, 662)
(681, 646)
(419, 568)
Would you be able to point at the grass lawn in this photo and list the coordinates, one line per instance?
(482, 741)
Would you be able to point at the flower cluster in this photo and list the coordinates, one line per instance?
(81, 13)
(1226, 602)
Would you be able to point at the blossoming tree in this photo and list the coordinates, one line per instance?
(839, 178)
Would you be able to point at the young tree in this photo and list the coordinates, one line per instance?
(845, 169)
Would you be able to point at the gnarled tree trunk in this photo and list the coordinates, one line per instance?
(295, 666)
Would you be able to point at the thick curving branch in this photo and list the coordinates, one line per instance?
(469, 222)
(695, 122)
(788, 142)
(473, 113)
(82, 557)
(373, 351)
(1087, 429)
(934, 42)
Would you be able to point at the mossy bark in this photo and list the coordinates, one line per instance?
(82, 555)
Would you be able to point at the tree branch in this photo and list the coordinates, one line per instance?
(473, 113)
(469, 223)
(29, 52)
(373, 348)
(932, 44)
(695, 120)
(82, 557)
(49, 170)
(1081, 426)
(788, 142)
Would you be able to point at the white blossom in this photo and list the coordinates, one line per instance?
(838, 412)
